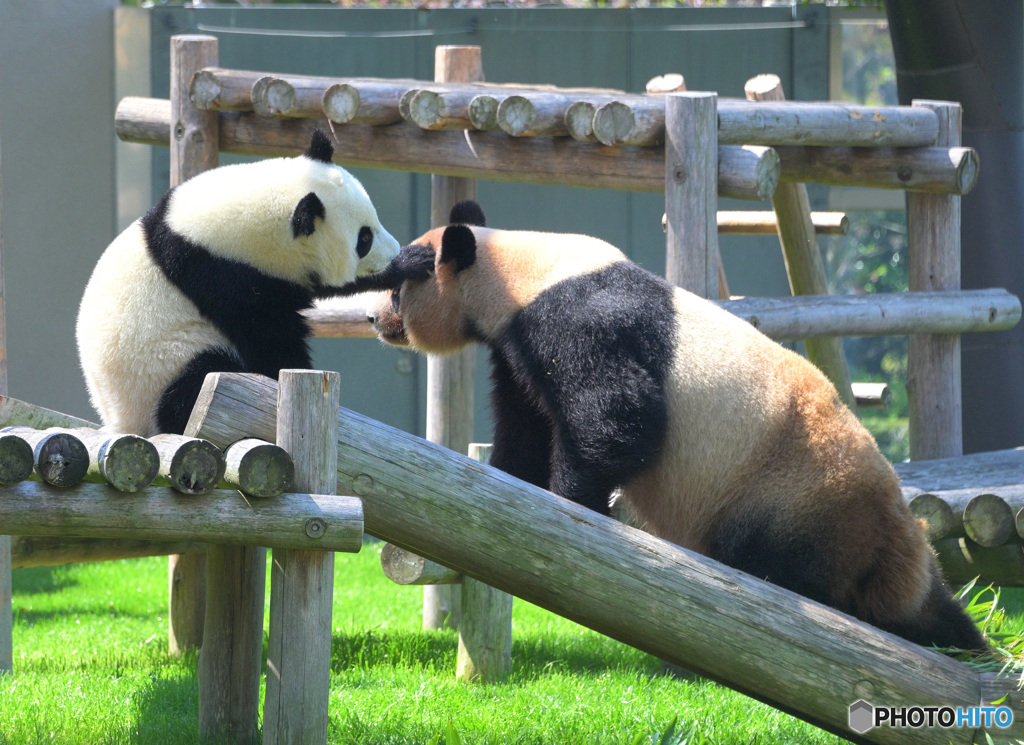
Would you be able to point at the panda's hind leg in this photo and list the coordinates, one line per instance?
(941, 621)
(177, 400)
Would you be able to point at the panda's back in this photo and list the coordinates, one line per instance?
(136, 331)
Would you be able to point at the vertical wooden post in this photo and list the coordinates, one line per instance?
(933, 360)
(194, 135)
(302, 581)
(691, 191)
(232, 635)
(232, 652)
(450, 379)
(6, 614)
(485, 633)
(800, 252)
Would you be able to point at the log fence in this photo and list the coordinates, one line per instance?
(691, 146)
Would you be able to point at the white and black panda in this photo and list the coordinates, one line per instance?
(722, 441)
(214, 278)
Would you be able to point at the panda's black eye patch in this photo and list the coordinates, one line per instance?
(365, 241)
(396, 299)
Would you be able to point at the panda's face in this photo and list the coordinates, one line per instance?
(429, 310)
(300, 219)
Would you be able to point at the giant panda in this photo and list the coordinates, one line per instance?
(606, 377)
(214, 278)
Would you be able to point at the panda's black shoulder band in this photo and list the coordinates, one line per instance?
(414, 262)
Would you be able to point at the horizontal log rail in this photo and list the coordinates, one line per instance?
(307, 521)
(626, 120)
(787, 318)
(744, 171)
(795, 654)
(45, 551)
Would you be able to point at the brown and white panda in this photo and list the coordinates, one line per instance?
(722, 441)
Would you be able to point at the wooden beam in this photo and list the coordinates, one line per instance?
(799, 656)
(788, 318)
(799, 242)
(44, 551)
(491, 155)
(933, 361)
(302, 581)
(162, 514)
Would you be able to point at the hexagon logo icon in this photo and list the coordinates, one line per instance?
(862, 716)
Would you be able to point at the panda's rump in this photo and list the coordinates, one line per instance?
(136, 333)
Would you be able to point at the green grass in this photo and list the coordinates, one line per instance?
(91, 668)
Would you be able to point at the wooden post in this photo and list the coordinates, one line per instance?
(933, 361)
(302, 581)
(6, 615)
(485, 634)
(450, 379)
(193, 150)
(800, 252)
(691, 192)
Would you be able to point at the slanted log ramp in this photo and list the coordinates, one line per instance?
(778, 647)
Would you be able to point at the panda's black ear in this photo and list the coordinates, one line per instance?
(458, 247)
(467, 212)
(320, 147)
(305, 214)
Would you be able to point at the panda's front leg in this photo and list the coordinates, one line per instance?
(522, 433)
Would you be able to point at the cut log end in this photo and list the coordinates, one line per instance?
(516, 115)
(935, 513)
(763, 87)
(128, 462)
(613, 123)
(989, 520)
(671, 82)
(204, 90)
(483, 112)
(16, 459)
(272, 97)
(341, 102)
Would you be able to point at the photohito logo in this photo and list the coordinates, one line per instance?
(865, 716)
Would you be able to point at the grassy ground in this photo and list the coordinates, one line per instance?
(91, 668)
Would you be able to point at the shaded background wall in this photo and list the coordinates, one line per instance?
(973, 52)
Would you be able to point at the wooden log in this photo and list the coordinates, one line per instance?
(935, 408)
(483, 111)
(931, 170)
(640, 120)
(691, 192)
(194, 143)
(363, 102)
(764, 222)
(485, 634)
(126, 462)
(616, 123)
(59, 458)
(788, 318)
(671, 82)
(16, 413)
(989, 520)
(579, 121)
(987, 470)
(880, 314)
(188, 464)
(163, 514)
(258, 469)
(302, 582)
(16, 459)
(219, 89)
(491, 155)
(940, 520)
(749, 172)
(962, 561)
(406, 568)
(43, 551)
(799, 242)
(999, 689)
(450, 379)
(441, 109)
(820, 660)
(535, 115)
(872, 395)
(231, 653)
(301, 96)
